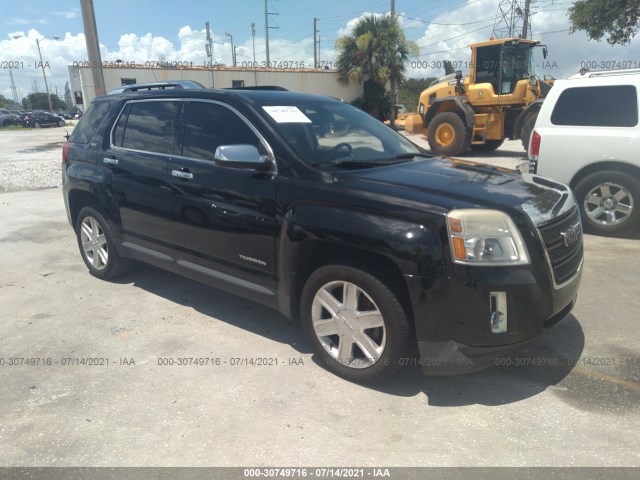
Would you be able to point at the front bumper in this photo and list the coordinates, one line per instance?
(453, 358)
(453, 316)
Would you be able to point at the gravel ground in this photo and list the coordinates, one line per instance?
(30, 159)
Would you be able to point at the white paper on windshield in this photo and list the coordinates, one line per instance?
(287, 114)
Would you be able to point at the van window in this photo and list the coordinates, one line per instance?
(150, 126)
(606, 106)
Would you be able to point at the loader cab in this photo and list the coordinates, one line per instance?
(502, 63)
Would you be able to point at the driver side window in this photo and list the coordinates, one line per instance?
(209, 125)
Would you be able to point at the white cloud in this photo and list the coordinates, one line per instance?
(17, 21)
(69, 14)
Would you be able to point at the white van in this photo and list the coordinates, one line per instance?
(588, 136)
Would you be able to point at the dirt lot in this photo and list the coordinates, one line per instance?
(571, 398)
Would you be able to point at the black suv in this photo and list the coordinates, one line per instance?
(310, 206)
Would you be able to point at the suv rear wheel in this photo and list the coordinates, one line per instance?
(609, 202)
(97, 246)
(356, 324)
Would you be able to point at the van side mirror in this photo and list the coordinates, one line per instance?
(241, 156)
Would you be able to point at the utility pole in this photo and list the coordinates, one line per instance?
(209, 49)
(525, 22)
(267, 27)
(253, 34)
(393, 77)
(315, 42)
(93, 47)
(233, 50)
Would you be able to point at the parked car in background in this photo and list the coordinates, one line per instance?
(7, 118)
(43, 119)
(587, 135)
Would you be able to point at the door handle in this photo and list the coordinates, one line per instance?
(181, 174)
(110, 161)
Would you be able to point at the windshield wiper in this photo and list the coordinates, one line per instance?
(411, 155)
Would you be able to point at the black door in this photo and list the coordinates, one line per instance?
(143, 140)
(223, 218)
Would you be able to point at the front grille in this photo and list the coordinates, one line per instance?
(565, 260)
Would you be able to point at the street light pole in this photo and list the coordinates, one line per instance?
(46, 84)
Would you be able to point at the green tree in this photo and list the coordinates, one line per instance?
(376, 50)
(6, 103)
(409, 92)
(617, 20)
(38, 101)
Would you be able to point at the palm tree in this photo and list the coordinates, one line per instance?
(377, 48)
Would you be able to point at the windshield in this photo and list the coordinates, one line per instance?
(335, 133)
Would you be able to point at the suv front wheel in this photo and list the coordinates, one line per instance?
(97, 246)
(609, 202)
(356, 324)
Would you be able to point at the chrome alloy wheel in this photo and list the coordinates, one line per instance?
(94, 243)
(608, 204)
(348, 324)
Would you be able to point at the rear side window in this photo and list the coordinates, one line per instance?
(89, 122)
(209, 125)
(148, 126)
(607, 106)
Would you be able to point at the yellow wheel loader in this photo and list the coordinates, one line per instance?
(500, 98)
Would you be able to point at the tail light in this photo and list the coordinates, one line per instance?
(65, 149)
(536, 140)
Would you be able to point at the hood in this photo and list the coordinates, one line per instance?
(453, 183)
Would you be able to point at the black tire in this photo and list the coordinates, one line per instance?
(392, 338)
(527, 129)
(454, 139)
(103, 262)
(6, 123)
(61, 123)
(623, 189)
(36, 125)
(488, 146)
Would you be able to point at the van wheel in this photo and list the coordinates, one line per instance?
(36, 125)
(449, 134)
(97, 246)
(488, 146)
(609, 202)
(356, 324)
(527, 130)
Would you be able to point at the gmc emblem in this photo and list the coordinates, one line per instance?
(572, 234)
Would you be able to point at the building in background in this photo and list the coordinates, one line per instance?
(318, 81)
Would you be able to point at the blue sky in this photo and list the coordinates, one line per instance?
(144, 30)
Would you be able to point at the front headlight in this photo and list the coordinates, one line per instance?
(485, 237)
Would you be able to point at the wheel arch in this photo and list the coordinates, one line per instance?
(314, 254)
(628, 168)
(78, 199)
(450, 104)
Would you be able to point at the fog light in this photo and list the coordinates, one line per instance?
(498, 310)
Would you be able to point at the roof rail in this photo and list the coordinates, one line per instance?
(258, 87)
(170, 84)
(584, 73)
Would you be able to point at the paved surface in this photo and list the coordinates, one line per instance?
(581, 408)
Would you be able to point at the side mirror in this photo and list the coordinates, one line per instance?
(241, 156)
